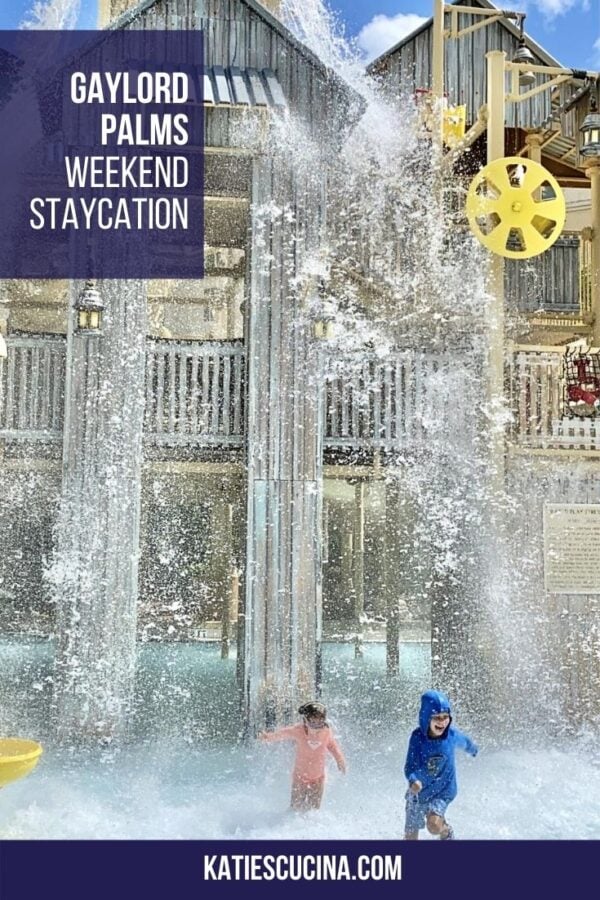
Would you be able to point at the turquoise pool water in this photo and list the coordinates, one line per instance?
(186, 691)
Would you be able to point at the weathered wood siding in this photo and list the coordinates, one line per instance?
(465, 70)
(237, 34)
(547, 282)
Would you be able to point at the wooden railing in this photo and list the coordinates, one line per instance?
(557, 281)
(32, 380)
(195, 394)
(396, 403)
(195, 397)
(540, 417)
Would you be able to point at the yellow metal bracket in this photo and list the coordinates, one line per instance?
(516, 69)
(455, 32)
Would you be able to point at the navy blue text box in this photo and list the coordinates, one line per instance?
(160, 869)
(101, 157)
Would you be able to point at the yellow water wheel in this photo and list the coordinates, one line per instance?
(515, 207)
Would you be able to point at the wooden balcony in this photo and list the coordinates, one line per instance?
(541, 418)
(194, 392)
(195, 398)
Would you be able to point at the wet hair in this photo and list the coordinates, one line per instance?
(312, 708)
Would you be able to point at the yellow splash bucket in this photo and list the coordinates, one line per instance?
(454, 124)
(17, 758)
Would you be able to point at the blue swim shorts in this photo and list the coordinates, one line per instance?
(417, 810)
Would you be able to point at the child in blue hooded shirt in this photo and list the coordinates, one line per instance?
(430, 768)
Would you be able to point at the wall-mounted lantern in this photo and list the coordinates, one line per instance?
(89, 307)
(590, 131)
(323, 329)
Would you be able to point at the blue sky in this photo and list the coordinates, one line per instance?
(568, 29)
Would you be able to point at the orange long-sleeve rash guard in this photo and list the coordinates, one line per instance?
(312, 745)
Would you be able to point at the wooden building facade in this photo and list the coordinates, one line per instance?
(227, 428)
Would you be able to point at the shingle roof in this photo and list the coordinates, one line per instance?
(484, 4)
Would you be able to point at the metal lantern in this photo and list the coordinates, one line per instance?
(89, 308)
(590, 132)
(525, 57)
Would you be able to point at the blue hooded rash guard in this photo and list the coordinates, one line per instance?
(431, 760)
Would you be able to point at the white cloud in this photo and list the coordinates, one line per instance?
(597, 53)
(554, 8)
(382, 32)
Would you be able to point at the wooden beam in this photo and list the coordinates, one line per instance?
(550, 140)
(516, 97)
(553, 451)
(495, 329)
(476, 26)
(593, 172)
(194, 467)
(478, 11)
(437, 70)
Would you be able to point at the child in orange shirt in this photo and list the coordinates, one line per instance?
(313, 737)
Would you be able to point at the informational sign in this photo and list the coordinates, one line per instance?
(101, 169)
(572, 548)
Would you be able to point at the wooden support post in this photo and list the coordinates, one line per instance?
(392, 637)
(99, 519)
(593, 173)
(231, 603)
(4, 315)
(226, 552)
(534, 141)
(347, 582)
(392, 576)
(284, 434)
(495, 150)
(358, 566)
(437, 69)
(225, 635)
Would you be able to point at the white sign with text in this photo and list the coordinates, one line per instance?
(572, 548)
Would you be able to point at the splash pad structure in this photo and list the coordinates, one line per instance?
(295, 451)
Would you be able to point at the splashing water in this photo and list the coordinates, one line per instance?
(320, 29)
(397, 243)
(393, 243)
(52, 15)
